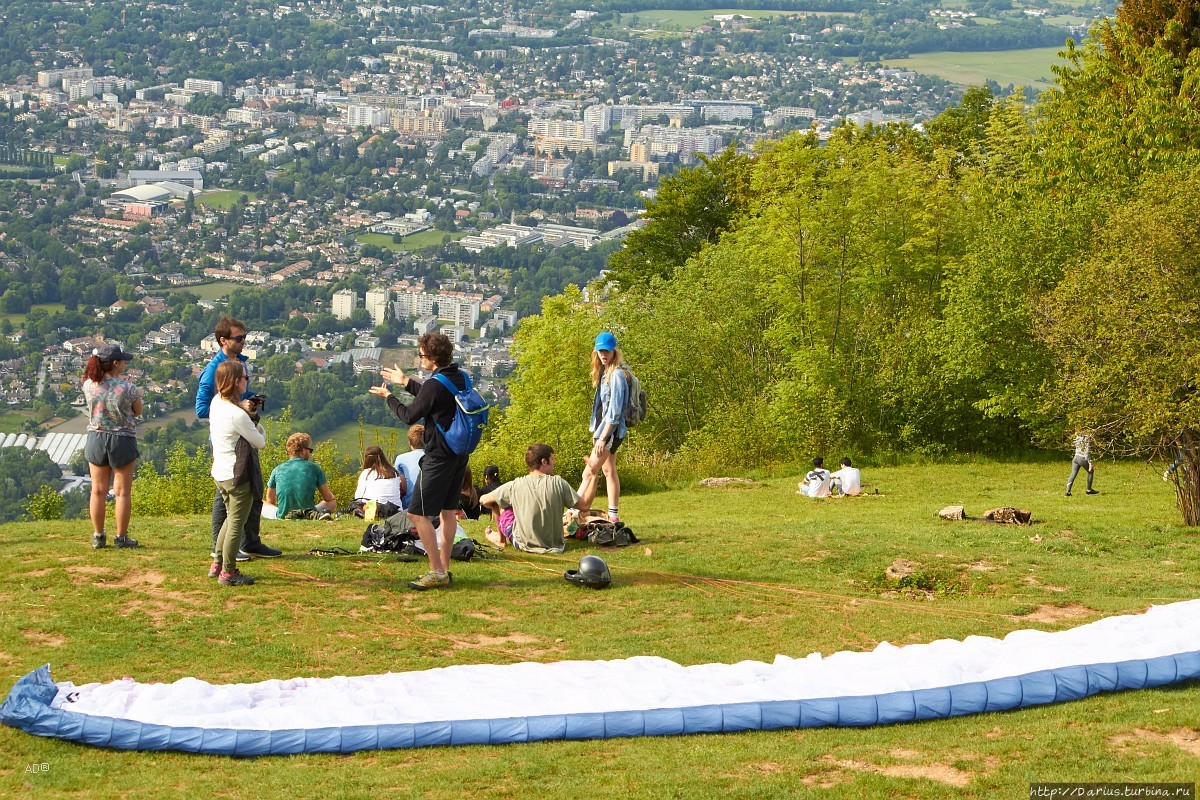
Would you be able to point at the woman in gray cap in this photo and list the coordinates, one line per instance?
(111, 448)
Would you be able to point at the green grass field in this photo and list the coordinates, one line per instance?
(19, 319)
(223, 198)
(212, 291)
(415, 241)
(721, 575)
(1030, 67)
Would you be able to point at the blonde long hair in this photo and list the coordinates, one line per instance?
(598, 366)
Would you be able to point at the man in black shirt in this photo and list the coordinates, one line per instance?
(437, 493)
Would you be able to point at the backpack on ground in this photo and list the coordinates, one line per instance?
(635, 399)
(470, 415)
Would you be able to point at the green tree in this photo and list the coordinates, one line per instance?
(45, 504)
(693, 208)
(1122, 330)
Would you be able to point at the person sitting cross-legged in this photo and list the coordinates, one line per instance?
(537, 501)
(293, 484)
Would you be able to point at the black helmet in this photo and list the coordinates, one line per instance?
(592, 573)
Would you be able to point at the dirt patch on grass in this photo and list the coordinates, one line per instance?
(43, 639)
(428, 616)
(940, 773)
(1185, 739)
(493, 641)
(40, 573)
(1048, 612)
(140, 579)
(490, 615)
(86, 573)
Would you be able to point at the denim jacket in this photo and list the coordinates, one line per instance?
(609, 406)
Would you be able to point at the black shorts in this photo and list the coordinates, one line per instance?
(110, 449)
(439, 486)
(613, 442)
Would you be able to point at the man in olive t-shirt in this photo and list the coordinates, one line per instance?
(537, 501)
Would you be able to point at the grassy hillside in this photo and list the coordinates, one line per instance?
(742, 572)
(1030, 67)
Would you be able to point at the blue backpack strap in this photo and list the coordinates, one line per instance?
(449, 384)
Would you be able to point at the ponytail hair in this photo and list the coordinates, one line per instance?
(96, 370)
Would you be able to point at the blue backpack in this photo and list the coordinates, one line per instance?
(470, 415)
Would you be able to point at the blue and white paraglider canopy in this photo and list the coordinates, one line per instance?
(641, 696)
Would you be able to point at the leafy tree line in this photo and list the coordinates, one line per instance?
(1013, 275)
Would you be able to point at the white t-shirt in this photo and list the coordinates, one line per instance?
(816, 483)
(374, 487)
(850, 479)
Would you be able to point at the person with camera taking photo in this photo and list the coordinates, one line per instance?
(231, 338)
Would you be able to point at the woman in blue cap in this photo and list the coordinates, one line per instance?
(608, 421)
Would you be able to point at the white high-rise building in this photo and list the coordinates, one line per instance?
(360, 116)
(344, 303)
(204, 86)
(377, 303)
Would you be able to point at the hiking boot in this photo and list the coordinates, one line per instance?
(260, 550)
(1092, 491)
(99, 540)
(215, 570)
(125, 541)
(234, 578)
(430, 580)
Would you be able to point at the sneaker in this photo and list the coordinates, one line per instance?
(1092, 491)
(99, 540)
(430, 580)
(125, 541)
(242, 556)
(259, 550)
(1167, 475)
(324, 516)
(234, 578)
(215, 570)
(1068, 494)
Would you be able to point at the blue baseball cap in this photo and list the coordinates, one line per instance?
(606, 341)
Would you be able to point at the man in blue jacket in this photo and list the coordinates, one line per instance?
(231, 337)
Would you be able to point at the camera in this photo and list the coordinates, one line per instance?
(258, 400)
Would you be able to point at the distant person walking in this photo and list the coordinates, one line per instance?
(608, 421)
(1082, 460)
(236, 437)
(231, 338)
(111, 448)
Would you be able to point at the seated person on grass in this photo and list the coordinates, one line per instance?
(294, 482)
(537, 501)
(816, 482)
(847, 479)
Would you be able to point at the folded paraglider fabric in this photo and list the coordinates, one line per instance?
(640, 696)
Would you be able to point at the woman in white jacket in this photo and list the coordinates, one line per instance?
(379, 481)
(231, 420)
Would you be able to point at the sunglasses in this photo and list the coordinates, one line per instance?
(241, 338)
(422, 355)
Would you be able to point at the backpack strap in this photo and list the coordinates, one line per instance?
(449, 384)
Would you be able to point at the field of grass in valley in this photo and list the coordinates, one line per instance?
(721, 575)
(1029, 67)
